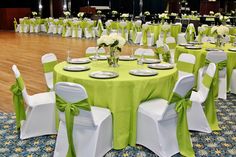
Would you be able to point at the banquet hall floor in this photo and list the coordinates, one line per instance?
(25, 50)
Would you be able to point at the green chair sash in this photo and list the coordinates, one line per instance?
(190, 32)
(185, 67)
(165, 55)
(100, 28)
(18, 101)
(210, 109)
(182, 132)
(144, 34)
(15, 24)
(71, 110)
(48, 67)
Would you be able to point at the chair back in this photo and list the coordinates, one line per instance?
(25, 95)
(170, 40)
(48, 69)
(203, 90)
(159, 43)
(216, 56)
(92, 50)
(73, 93)
(187, 59)
(166, 48)
(182, 87)
(144, 52)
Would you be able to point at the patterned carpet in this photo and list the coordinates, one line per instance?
(221, 143)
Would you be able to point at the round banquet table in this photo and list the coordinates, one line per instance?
(200, 55)
(122, 95)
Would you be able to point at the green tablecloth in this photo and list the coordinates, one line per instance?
(232, 38)
(201, 55)
(122, 95)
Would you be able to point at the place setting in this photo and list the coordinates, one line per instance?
(232, 49)
(193, 47)
(103, 74)
(127, 58)
(161, 66)
(143, 72)
(213, 49)
(98, 57)
(76, 68)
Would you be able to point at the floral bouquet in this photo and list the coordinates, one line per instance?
(163, 16)
(125, 16)
(219, 32)
(99, 12)
(217, 14)
(224, 19)
(211, 13)
(115, 42)
(34, 13)
(80, 14)
(146, 13)
(114, 12)
(66, 13)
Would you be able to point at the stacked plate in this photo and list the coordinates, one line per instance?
(79, 61)
(195, 43)
(213, 49)
(75, 68)
(161, 66)
(185, 44)
(103, 74)
(143, 72)
(193, 47)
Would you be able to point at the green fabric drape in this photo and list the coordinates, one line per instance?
(71, 110)
(213, 86)
(190, 32)
(48, 67)
(100, 28)
(184, 66)
(144, 34)
(18, 101)
(182, 132)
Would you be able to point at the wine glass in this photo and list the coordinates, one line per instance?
(68, 56)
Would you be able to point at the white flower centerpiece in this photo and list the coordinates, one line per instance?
(115, 42)
(67, 14)
(34, 13)
(146, 13)
(211, 13)
(163, 16)
(80, 15)
(219, 32)
(124, 16)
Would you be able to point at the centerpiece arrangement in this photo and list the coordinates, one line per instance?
(34, 13)
(219, 32)
(67, 14)
(163, 16)
(80, 15)
(115, 43)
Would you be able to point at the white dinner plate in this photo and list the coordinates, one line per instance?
(79, 61)
(195, 43)
(161, 66)
(213, 49)
(100, 57)
(232, 49)
(127, 58)
(151, 61)
(75, 68)
(103, 74)
(143, 72)
(193, 47)
(185, 44)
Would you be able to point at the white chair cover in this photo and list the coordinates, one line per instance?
(92, 131)
(40, 113)
(156, 124)
(187, 58)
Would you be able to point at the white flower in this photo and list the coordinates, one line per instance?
(163, 16)
(99, 12)
(80, 14)
(220, 30)
(173, 14)
(66, 13)
(211, 12)
(217, 14)
(34, 13)
(125, 15)
(166, 12)
(110, 40)
(146, 13)
(114, 12)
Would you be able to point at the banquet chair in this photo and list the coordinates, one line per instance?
(216, 57)
(137, 35)
(233, 82)
(92, 128)
(185, 64)
(181, 38)
(144, 52)
(40, 114)
(49, 60)
(89, 30)
(92, 50)
(170, 41)
(157, 121)
(149, 35)
(197, 120)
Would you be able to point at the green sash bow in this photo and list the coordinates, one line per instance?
(213, 85)
(48, 67)
(100, 28)
(145, 31)
(122, 30)
(18, 101)
(71, 110)
(182, 132)
(90, 28)
(165, 35)
(15, 24)
(75, 27)
(190, 32)
(185, 67)
(83, 25)
(200, 35)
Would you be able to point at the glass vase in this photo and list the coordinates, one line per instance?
(218, 41)
(113, 58)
